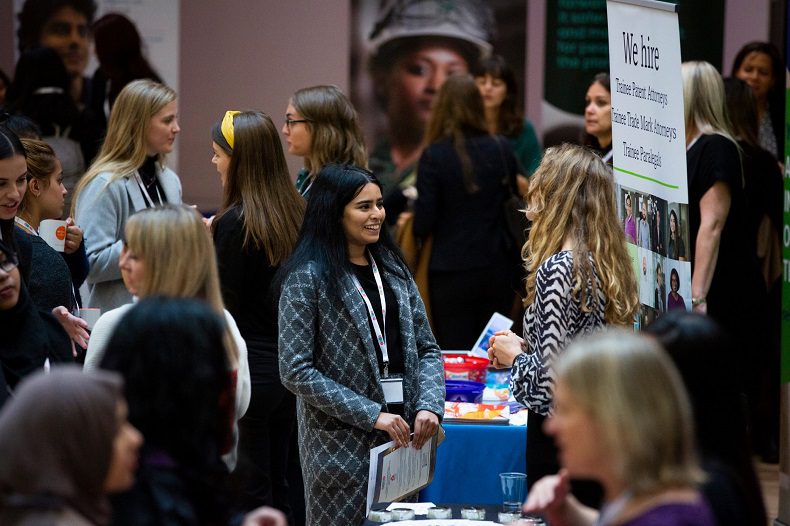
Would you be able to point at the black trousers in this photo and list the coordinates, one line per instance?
(265, 436)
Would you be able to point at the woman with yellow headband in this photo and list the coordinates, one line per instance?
(128, 175)
(254, 233)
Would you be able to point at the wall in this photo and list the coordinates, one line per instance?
(253, 56)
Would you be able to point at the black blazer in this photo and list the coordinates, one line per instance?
(468, 229)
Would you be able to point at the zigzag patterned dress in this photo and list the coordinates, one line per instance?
(550, 323)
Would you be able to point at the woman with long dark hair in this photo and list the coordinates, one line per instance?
(761, 66)
(499, 89)
(361, 358)
(172, 356)
(255, 231)
(598, 116)
(465, 177)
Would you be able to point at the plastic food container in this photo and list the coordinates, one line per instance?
(463, 391)
(463, 367)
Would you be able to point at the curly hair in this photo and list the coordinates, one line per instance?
(572, 195)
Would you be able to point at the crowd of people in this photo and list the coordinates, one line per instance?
(245, 362)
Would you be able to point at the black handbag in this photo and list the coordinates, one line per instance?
(513, 214)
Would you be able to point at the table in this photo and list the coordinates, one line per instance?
(491, 513)
(469, 461)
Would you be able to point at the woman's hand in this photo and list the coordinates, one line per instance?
(551, 496)
(395, 426)
(73, 237)
(503, 347)
(265, 516)
(548, 494)
(75, 327)
(425, 426)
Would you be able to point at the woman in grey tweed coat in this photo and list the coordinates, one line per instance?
(330, 353)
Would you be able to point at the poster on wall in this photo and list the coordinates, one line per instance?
(648, 142)
(401, 53)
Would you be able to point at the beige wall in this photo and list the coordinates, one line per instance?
(252, 56)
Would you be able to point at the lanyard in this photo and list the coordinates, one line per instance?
(150, 202)
(380, 336)
(608, 156)
(27, 227)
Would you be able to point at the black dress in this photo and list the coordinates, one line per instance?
(711, 159)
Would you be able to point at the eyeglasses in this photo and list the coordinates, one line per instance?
(8, 262)
(289, 121)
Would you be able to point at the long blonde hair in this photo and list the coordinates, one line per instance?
(572, 193)
(178, 257)
(704, 100)
(636, 399)
(335, 134)
(124, 148)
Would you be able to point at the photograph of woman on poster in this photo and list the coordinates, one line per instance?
(628, 222)
(676, 247)
(674, 299)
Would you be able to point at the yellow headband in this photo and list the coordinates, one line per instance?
(227, 126)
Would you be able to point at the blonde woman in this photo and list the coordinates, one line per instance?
(168, 252)
(622, 417)
(128, 175)
(580, 278)
(321, 125)
(716, 201)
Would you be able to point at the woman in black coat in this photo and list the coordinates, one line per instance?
(465, 175)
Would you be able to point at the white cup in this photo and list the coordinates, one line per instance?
(53, 231)
(91, 316)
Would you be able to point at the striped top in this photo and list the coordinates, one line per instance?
(550, 323)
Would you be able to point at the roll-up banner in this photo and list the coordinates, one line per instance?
(649, 147)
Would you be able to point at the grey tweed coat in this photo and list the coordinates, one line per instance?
(328, 360)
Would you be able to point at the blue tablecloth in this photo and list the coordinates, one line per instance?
(469, 461)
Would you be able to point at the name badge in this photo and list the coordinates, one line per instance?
(393, 390)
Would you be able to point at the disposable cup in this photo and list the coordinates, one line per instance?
(53, 231)
(514, 488)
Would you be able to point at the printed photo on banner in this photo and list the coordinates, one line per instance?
(679, 277)
(402, 51)
(677, 234)
(646, 276)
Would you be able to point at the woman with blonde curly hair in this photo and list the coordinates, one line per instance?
(128, 175)
(167, 251)
(580, 278)
(322, 126)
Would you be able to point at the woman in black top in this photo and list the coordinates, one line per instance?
(254, 233)
(465, 176)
